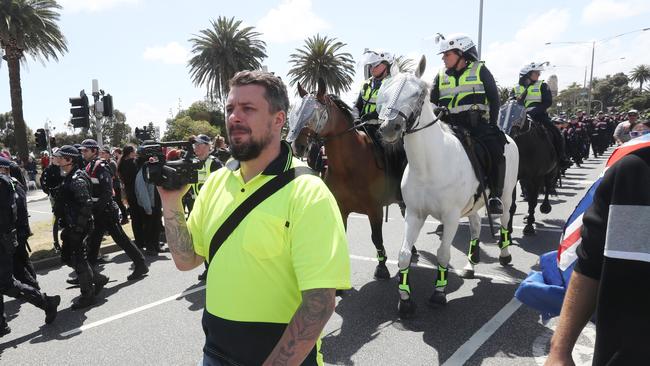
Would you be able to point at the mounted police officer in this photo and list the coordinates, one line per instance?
(106, 212)
(536, 96)
(74, 204)
(202, 147)
(376, 65)
(467, 90)
(9, 285)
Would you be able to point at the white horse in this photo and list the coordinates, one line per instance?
(439, 180)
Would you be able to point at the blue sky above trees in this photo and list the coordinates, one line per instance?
(138, 49)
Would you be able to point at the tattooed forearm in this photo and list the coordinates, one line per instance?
(304, 329)
(179, 239)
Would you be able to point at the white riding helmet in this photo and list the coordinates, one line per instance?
(532, 67)
(373, 58)
(454, 42)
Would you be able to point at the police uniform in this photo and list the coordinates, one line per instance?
(9, 285)
(50, 181)
(23, 268)
(366, 105)
(471, 94)
(106, 214)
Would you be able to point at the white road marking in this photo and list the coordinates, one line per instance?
(465, 352)
(465, 223)
(130, 312)
(40, 212)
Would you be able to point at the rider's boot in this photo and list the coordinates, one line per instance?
(495, 206)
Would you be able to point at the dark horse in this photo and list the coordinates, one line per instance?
(356, 172)
(538, 166)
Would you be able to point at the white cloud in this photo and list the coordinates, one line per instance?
(172, 53)
(599, 11)
(292, 20)
(93, 5)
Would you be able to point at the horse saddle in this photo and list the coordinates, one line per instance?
(477, 152)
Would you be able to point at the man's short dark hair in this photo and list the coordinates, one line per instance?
(276, 92)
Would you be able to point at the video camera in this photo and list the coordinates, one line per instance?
(169, 174)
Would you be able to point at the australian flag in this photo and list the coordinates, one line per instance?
(544, 291)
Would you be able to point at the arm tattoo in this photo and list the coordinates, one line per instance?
(304, 329)
(178, 236)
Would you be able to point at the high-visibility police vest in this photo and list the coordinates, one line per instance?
(203, 173)
(369, 97)
(533, 96)
(456, 93)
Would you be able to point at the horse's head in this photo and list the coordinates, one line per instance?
(400, 101)
(520, 126)
(307, 119)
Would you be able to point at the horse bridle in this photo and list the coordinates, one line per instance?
(313, 137)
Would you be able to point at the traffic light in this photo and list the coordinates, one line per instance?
(108, 105)
(80, 111)
(41, 139)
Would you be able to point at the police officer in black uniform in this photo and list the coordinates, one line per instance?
(50, 181)
(9, 285)
(106, 212)
(23, 268)
(75, 207)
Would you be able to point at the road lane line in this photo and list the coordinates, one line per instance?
(493, 277)
(465, 223)
(131, 312)
(40, 212)
(467, 350)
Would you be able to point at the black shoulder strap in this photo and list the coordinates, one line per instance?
(264, 192)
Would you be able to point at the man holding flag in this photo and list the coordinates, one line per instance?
(607, 239)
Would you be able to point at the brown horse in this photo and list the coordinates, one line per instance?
(355, 172)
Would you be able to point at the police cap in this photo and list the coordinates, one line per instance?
(89, 144)
(5, 163)
(67, 151)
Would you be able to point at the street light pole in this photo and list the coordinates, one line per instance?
(591, 77)
(480, 28)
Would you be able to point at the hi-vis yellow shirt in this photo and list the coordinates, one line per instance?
(293, 241)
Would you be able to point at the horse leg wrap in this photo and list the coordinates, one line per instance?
(505, 238)
(472, 255)
(404, 287)
(441, 282)
(381, 255)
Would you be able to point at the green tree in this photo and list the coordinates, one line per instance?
(640, 75)
(504, 94)
(180, 129)
(221, 51)
(320, 57)
(28, 27)
(571, 98)
(613, 90)
(116, 130)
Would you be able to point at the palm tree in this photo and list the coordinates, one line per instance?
(640, 75)
(28, 27)
(221, 51)
(320, 57)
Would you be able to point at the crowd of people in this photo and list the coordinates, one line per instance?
(93, 190)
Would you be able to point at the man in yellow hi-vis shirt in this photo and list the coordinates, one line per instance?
(271, 284)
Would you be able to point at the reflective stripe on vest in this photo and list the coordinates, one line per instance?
(369, 97)
(454, 92)
(203, 174)
(534, 94)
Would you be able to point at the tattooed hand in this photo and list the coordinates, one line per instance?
(304, 329)
(179, 240)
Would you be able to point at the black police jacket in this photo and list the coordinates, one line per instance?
(8, 210)
(51, 179)
(101, 179)
(76, 200)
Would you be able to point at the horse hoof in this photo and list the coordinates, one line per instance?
(545, 208)
(381, 272)
(529, 230)
(415, 256)
(504, 261)
(467, 273)
(406, 309)
(475, 257)
(438, 299)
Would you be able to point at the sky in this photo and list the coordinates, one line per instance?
(138, 49)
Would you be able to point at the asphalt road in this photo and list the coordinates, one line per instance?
(156, 321)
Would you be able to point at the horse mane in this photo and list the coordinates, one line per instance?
(342, 106)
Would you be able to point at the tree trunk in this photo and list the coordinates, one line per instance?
(13, 64)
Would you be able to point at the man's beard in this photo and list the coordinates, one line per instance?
(250, 150)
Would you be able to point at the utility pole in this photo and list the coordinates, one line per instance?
(591, 77)
(480, 29)
(98, 120)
